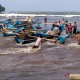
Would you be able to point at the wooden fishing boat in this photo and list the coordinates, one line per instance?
(26, 40)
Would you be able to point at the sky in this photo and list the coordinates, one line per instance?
(41, 5)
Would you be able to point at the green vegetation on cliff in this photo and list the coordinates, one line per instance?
(2, 8)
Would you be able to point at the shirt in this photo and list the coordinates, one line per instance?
(38, 42)
(61, 39)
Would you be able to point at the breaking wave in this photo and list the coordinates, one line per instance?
(12, 14)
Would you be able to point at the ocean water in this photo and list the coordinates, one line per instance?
(52, 17)
(52, 62)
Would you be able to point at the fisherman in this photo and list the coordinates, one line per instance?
(28, 21)
(22, 35)
(51, 32)
(78, 37)
(69, 28)
(53, 25)
(61, 39)
(45, 19)
(56, 30)
(74, 28)
(59, 23)
(63, 21)
(38, 42)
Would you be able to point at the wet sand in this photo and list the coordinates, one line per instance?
(47, 64)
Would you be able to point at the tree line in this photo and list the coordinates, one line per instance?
(2, 8)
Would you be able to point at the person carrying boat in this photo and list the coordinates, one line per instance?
(61, 39)
(74, 28)
(69, 28)
(28, 21)
(78, 37)
(38, 42)
(56, 30)
(22, 35)
(53, 25)
(51, 32)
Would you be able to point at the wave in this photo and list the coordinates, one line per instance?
(13, 14)
(53, 47)
(73, 45)
(28, 49)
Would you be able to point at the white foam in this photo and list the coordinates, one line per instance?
(63, 46)
(13, 14)
(30, 50)
(20, 50)
(73, 45)
(49, 43)
(27, 49)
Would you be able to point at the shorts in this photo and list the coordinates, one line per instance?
(78, 42)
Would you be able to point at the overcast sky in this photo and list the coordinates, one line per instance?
(41, 5)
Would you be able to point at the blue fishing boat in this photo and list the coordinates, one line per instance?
(26, 40)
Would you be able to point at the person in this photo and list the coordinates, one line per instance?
(78, 37)
(63, 21)
(53, 25)
(59, 23)
(45, 19)
(56, 30)
(28, 21)
(66, 23)
(74, 28)
(60, 39)
(62, 27)
(51, 32)
(69, 28)
(28, 18)
(23, 34)
(64, 34)
(38, 42)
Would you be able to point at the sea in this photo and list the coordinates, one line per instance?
(52, 62)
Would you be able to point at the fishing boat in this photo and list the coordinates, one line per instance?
(26, 40)
(11, 33)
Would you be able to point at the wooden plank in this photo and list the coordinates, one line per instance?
(29, 40)
(51, 40)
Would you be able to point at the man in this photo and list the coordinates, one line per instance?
(78, 37)
(60, 39)
(22, 34)
(74, 28)
(51, 32)
(20, 37)
(45, 19)
(38, 42)
(56, 30)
